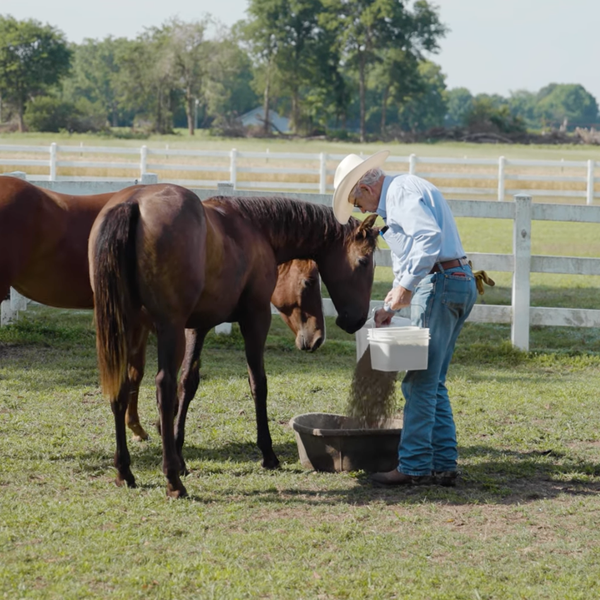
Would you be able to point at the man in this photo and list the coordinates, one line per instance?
(431, 275)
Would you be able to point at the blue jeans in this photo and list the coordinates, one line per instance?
(442, 302)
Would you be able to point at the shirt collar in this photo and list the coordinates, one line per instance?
(384, 188)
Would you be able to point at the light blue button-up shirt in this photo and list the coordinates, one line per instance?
(421, 228)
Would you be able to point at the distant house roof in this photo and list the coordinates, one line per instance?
(256, 116)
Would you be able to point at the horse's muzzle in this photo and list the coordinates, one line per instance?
(309, 345)
(348, 324)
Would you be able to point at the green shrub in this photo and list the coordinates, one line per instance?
(47, 113)
(50, 114)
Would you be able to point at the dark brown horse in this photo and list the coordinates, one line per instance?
(297, 296)
(159, 251)
(44, 256)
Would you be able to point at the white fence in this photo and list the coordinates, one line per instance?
(522, 211)
(498, 179)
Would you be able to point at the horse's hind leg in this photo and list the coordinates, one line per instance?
(254, 329)
(171, 344)
(135, 373)
(188, 385)
(122, 456)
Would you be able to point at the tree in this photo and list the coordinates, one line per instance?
(264, 34)
(329, 95)
(94, 75)
(522, 104)
(460, 103)
(146, 83)
(33, 57)
(370, 27)
(187, 51)
(397, 78)
(227, 90)
(428, 106)
(559, 104)
(491, 113)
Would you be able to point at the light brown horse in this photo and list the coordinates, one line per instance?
(44, 256)
(159, 251)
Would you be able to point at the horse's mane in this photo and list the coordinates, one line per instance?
(281, 218)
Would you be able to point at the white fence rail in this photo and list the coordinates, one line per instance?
(498, 179)
(522, 211)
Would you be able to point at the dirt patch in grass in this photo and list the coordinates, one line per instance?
(10, 351)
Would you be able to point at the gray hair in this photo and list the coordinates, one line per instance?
(370, 178)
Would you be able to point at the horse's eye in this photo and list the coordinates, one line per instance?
(309, 282)
(363, 261)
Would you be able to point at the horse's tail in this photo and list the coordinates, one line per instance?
(116, 295)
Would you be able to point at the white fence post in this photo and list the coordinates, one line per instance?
(53, 161)
(590, 182)
(7, 314)
(223, 329)
(322, 173)
(521, 286)
(17, 174)
(17, 301)
(501, 164)
(143, 161)
(412, 164)
(224, 188)
(9, 308)
(233, 168)
(149, 178)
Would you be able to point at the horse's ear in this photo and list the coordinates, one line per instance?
(368, 222)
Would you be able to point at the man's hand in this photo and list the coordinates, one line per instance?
(398, 298)
(382, 318)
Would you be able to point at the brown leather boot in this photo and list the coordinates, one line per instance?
(395, 477)
(446, 478)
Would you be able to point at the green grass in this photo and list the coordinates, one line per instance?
(520, 525)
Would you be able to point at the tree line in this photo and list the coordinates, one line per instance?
(334, 67)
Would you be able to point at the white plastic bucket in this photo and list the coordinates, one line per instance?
(362, 343)
(398, 348)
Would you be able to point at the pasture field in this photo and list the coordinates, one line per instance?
(521, 524)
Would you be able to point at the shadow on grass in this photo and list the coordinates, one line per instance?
(497, 477)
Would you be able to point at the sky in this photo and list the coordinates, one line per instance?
(492, 47)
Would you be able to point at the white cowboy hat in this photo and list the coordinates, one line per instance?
(347, 175)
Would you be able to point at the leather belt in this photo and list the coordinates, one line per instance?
(449, 264)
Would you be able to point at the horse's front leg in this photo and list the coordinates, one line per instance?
(135, 373)
(188, 385)
(122, 456)
(254, 329)
(171, 345)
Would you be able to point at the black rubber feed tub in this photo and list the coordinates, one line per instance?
(335, 443)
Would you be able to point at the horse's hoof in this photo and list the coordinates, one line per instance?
(139, 433)
(271, 463)
(129, 481)
(179, 492)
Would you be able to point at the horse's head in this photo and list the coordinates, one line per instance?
(298, 299)
(347, 269)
